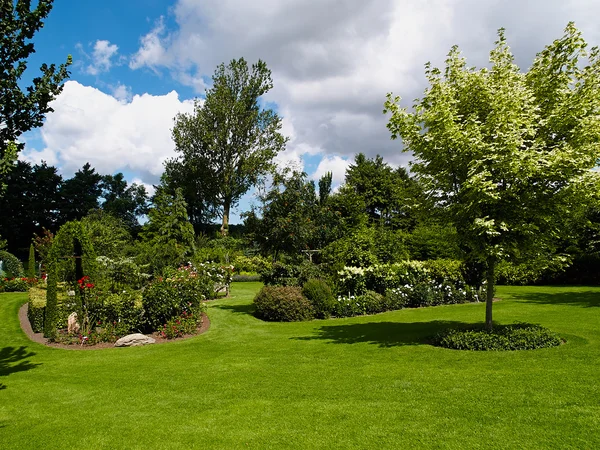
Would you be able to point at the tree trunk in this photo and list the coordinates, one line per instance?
(225, 225)
(490, 275)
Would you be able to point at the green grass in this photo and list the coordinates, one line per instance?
(365, 382)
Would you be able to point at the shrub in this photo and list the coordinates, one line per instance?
(250, 264)
(282, 304)
(15, 284)
(283, 274)
(373, 302)
(11, 266)
(348, 306)
(168, 297)
(320, 297)
(123, 310)
(519, 336)
(186, 323)
(244, 278)
(35, 313)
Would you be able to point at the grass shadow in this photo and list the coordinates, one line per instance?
(383, 334)
(587, 299)
(238, 309)
(13, 359)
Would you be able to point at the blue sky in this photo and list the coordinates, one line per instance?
(139, 62)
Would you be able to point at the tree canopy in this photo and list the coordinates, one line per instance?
(23, 109)
(227, 143)
(506, 154)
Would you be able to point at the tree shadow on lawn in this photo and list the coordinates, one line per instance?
(239, 309)
(12, 360)
(384, 334)
(587, 299)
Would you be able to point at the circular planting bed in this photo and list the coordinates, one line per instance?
(517, 336)
(39, 337)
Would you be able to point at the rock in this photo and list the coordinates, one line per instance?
(134, 340)
(72, 324)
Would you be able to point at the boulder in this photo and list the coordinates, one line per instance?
(72, 324)
(134, 340)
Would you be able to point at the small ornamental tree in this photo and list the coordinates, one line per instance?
(507, 155)
(31, 263)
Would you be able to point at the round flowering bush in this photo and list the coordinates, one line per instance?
(180, 290)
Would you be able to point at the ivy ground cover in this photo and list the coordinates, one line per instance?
(361, 382)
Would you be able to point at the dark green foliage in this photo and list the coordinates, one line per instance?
(292, 217)
(243, 278)
(24, 107)
(122, 308)
(519, 336)
(357, 249)
(320, 297)
(50, 316)
(181, 290)
(126, 202)
(35, 314)
(31, 272)
(433, 241)
(282, 304)
(186, 323)
(168, 236)
(79, 195)
(29, 204)
(11, 266)
(289, 274)
(108, 234)
(15, 284)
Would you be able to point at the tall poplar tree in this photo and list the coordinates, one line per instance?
(228, 143)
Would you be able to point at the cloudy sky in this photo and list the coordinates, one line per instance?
(139, 62)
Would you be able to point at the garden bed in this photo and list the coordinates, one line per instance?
(40, 339)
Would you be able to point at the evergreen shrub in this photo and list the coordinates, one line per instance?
(320, 296)
(282, 304)
(519, 336)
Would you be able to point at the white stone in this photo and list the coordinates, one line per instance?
(134, 340)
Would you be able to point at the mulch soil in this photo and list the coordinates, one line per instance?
(40, 339)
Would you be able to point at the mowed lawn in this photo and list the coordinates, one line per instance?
(366, 382)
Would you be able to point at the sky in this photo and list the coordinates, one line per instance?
(137, 63)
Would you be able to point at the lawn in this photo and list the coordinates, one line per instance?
(364, 382)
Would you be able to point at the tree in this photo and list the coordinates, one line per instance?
(23, 109)
(123, 201)
(386, 191)
(168, 234)
(80, 194)
(507, 154)
(29, 204)
(229, 142)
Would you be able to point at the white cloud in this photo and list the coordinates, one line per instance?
(333, 61)
(88, 125)
(121, 92)
(102, 57)
(334, 164)
(151, 52)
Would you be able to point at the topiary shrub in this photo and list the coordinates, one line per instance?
(35, 313)
(282, 304)
(11, 266)
(320, 297)
(519, 336)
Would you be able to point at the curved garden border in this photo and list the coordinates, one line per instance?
(40, 339)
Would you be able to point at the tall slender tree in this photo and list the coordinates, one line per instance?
(229, 142)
